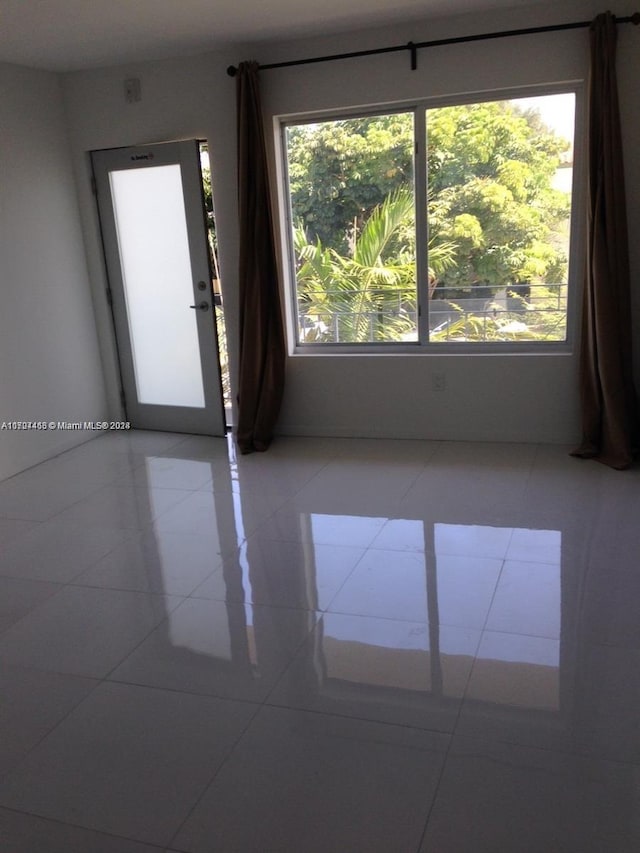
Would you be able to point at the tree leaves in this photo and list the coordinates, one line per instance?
(369, 296)
(494, 216)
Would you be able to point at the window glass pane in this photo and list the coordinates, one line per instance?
(353, 216)
(499, 202)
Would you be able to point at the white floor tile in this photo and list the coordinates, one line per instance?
(516, 670)
(33, 500)
(156, 561)
(564, 485)
(26, 833)
(612, 596)
(348, 486)
(141, 442)
(368, 600)
(522, 692)
(527, 600)
(275, 474)
(313, 783)
(33, 703)
(499, 798)
(403, 534)
(13, 528)
(131, 508)
(289, 574)
(440, 538)
(164, 472)
(57, 551)
(322, 527)
(230, 650)
(381, 669)
(209, 512)
(128, 760)
(84, 631)
(401, 585)
(471, 540)
(605, 703)
(18, 597)
(535, 546)
(198, 447)
(95, 462)
(390, 450)
(481, 480)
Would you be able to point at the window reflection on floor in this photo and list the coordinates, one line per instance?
(517, 670)
(393, 654)
(438, 610)
(470, 591)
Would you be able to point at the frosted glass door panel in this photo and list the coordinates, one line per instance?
(158, 285)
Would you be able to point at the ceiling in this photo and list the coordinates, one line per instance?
(67, 35)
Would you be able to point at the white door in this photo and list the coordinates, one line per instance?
(155, 243)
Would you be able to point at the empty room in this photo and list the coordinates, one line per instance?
(319, 349)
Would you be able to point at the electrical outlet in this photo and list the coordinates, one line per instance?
(132, 91)
(439, 381)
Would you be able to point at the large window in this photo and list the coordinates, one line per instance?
(433, 225)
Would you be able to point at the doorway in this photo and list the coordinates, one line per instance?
(154, 231)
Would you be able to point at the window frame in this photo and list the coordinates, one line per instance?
(419, 109)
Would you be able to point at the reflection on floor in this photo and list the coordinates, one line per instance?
(337, 646)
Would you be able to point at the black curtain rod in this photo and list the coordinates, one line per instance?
(413, 47)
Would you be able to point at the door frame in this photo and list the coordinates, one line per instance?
(210, 419)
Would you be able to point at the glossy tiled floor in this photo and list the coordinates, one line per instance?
(334, 647)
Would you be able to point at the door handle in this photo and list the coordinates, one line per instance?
(201, 306)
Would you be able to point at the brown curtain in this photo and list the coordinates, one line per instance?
(262, 344)
(609, 404)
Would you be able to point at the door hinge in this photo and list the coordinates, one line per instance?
(94, 185)
(109, 296)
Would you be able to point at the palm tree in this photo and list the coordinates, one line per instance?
(371, 294)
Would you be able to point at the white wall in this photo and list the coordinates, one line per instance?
(49, 362)
(523, 398)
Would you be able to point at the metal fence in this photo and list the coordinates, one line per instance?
(527, 311)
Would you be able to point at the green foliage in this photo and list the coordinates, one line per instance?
(494, 218)
(369, 296)
(339, 171)
(205, 171)
(490, 169)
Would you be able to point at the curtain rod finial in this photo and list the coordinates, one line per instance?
(232, 71)
(635, 18)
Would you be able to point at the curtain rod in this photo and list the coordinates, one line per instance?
(413, 47)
